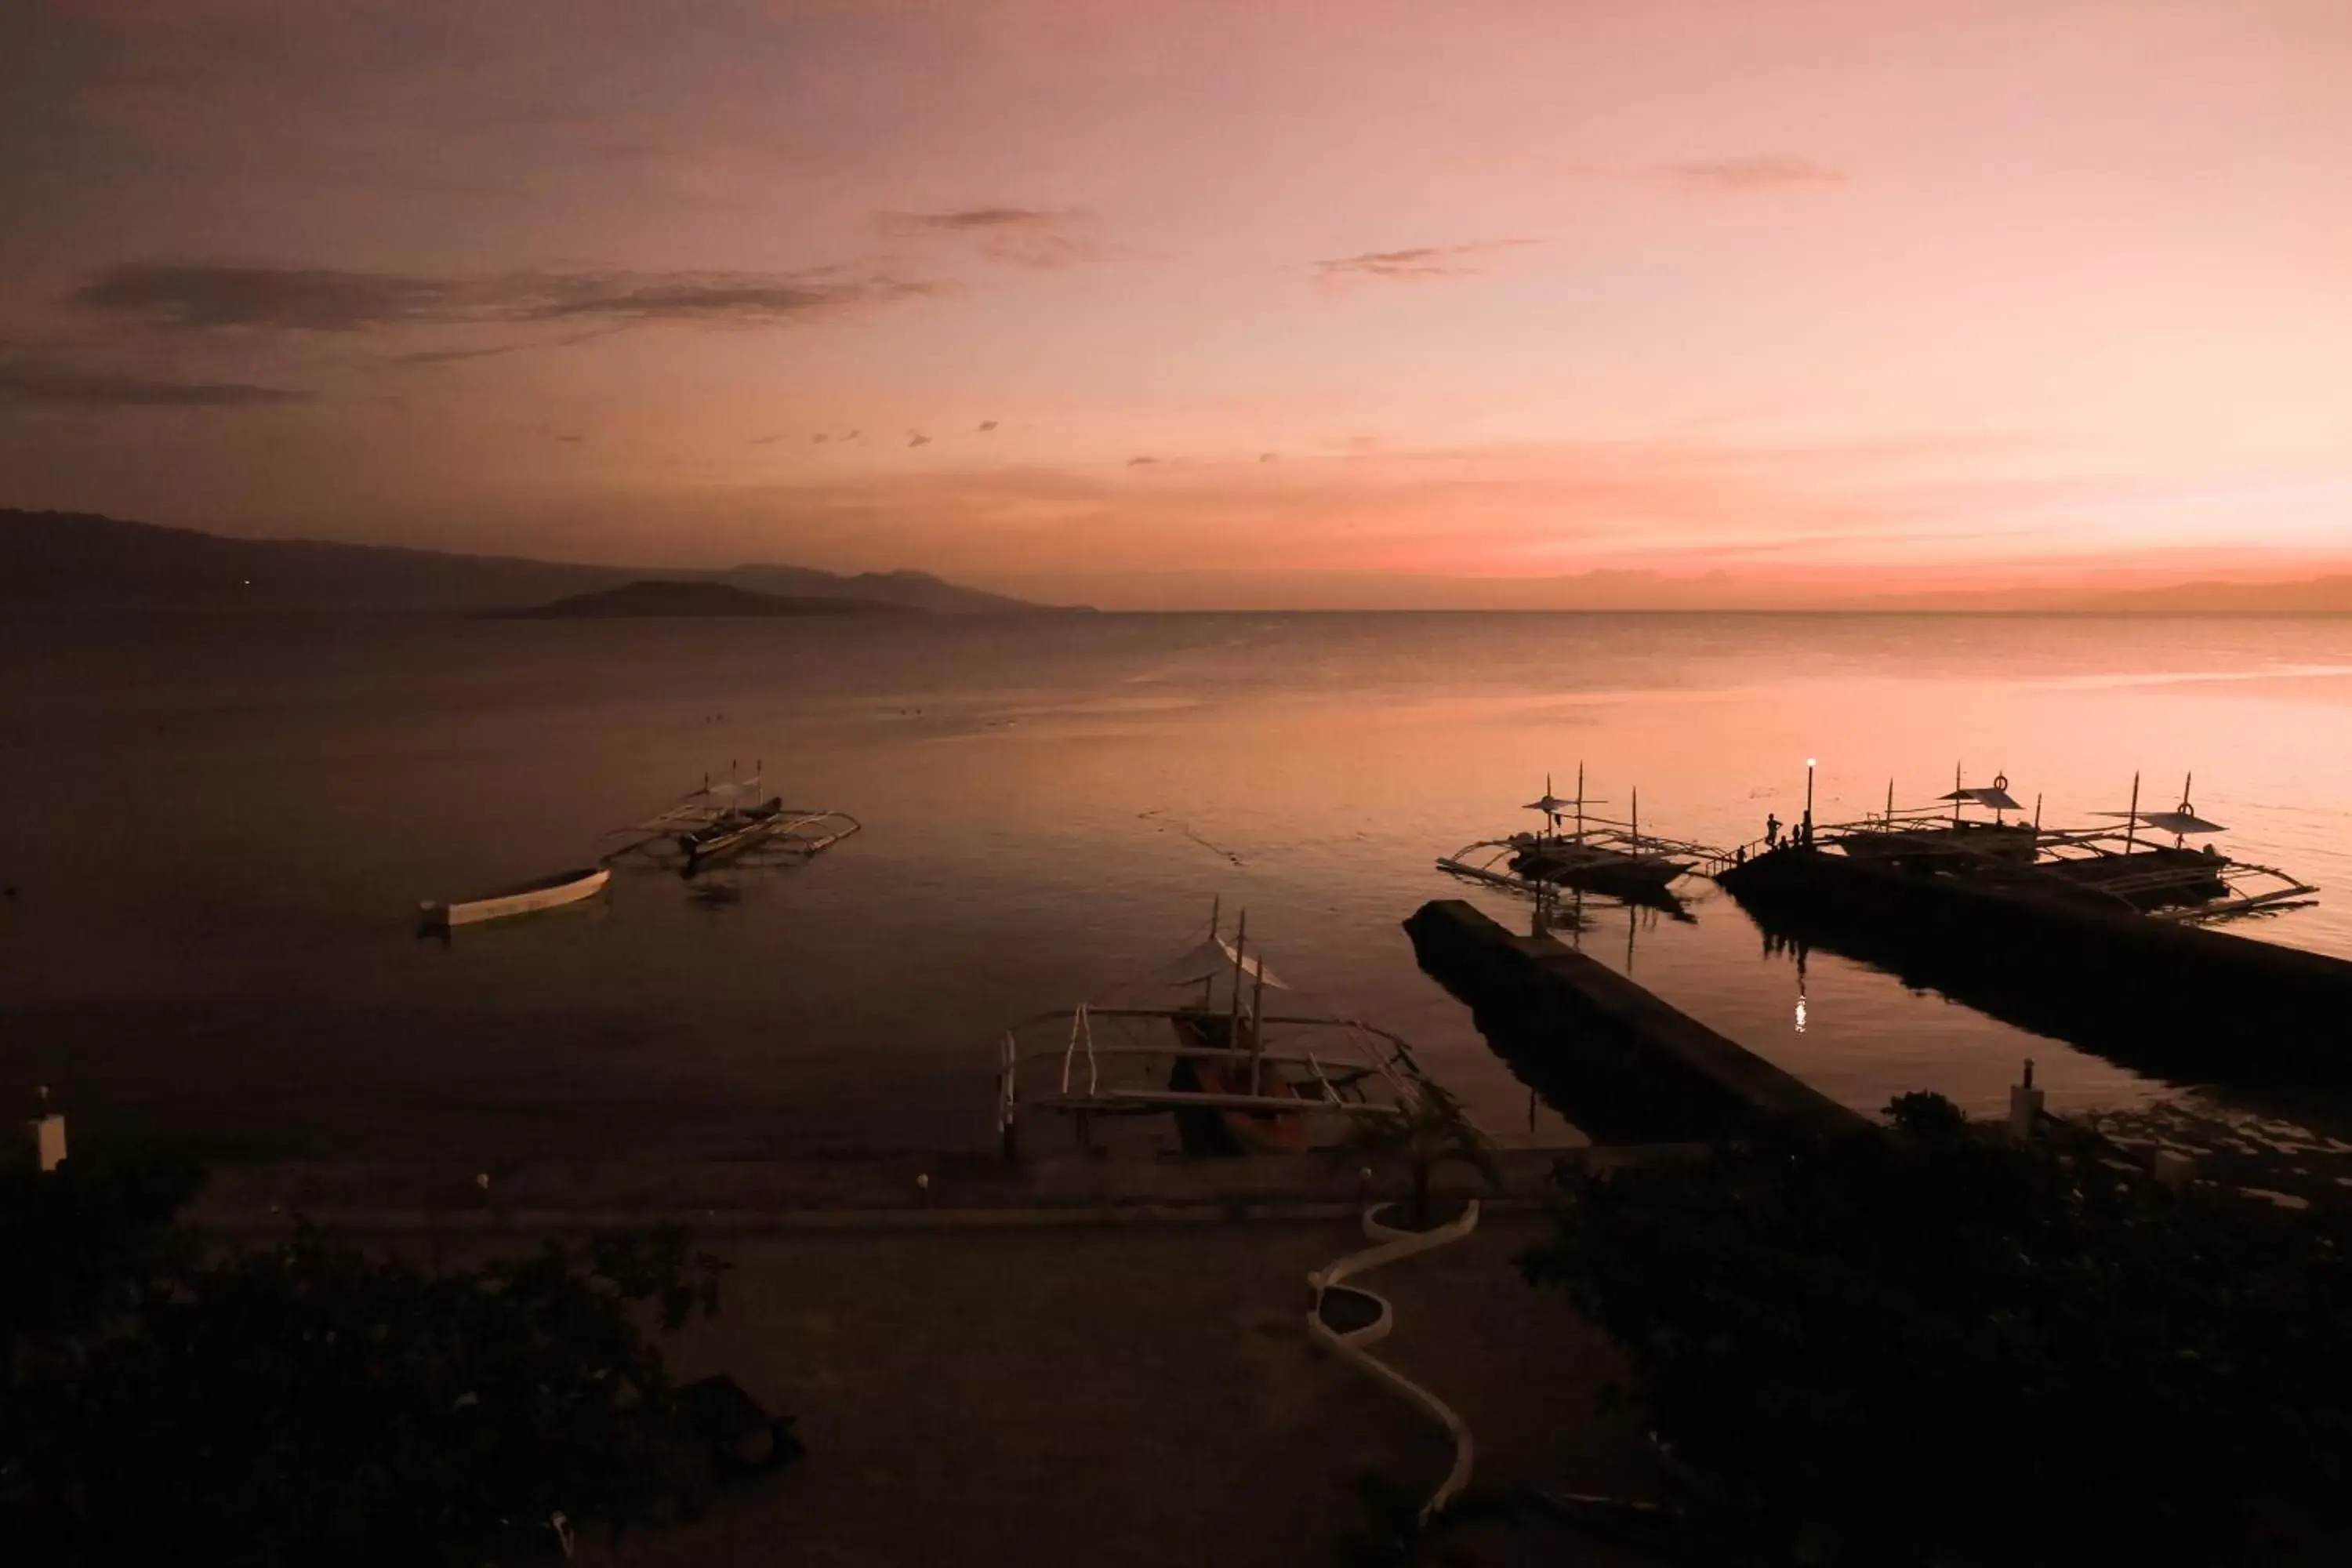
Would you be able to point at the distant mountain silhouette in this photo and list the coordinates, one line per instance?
(2312, 597)
(78, 560)
(656, 597)
(2305, 596)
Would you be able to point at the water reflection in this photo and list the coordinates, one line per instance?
(1046, 803)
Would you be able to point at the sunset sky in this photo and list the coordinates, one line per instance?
(1199, 304)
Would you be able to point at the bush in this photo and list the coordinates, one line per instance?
(313, 1404)
(1925, 1346)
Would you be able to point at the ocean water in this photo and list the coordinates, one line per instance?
(218, 830)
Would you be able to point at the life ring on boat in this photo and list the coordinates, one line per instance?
(2000, 781)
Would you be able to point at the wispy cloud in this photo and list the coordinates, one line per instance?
(1743, 174)
(59, 386)
(223, 297)
(1420, 264)
(493, 351)
(1018, 237)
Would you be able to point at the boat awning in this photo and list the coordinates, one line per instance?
(2168, 821)
(1992, 799)
(1213, 960)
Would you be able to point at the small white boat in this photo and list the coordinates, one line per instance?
(545, 893)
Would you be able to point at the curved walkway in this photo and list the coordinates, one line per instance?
(1391, 1244)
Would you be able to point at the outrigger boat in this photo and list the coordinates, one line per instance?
(1234, 1076)
(714, 823)
(529, 897)
(2114, 866)
(1597, 855)
(1920, 838)
(2170, 881)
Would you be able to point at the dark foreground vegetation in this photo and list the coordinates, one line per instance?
(310, 1404)
(1918, 1345)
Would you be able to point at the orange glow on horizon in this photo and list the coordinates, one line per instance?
(1230, 304)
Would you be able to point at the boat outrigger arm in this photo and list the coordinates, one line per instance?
(748, 822)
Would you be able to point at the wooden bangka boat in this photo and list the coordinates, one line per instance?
(714, 823)
(1596, 854)
(1232, 1077)
(1922, 838)
(729, 833)
(529, 897)
(2114, 868)
(2171, 881)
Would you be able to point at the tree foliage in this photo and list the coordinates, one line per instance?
(1428, 1129)
(1927, 1346)
(311, 1403)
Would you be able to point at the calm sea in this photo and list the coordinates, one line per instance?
(218, 832)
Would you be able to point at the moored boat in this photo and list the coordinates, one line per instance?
(729, 834)
(528, 898)
(1232, 1076)
(715, 823)
(2171, 880)
(1594, 854)
(1925, 839)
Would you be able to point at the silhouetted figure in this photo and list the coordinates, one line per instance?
(1771, 831)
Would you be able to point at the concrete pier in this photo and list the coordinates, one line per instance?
(2179, 1001)
(1613, 1058)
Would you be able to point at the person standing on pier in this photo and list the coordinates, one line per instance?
(1771, 831)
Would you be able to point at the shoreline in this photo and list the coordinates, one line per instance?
(831, 1194)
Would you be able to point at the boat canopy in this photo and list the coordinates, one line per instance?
(1988, 796)
(1213, 960)
(2168, 821)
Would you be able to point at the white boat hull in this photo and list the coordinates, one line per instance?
(552, 892)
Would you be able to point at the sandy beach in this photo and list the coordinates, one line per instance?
(1141, 1394)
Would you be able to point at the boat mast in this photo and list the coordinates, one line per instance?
(2131, 822)
(1208, 981)
(1636, 822)
(1956, 794)
(1233, 1018)
(1580, 800)
(1257, 1031)
(1890, 800)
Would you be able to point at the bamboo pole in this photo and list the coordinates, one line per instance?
(1233, 1016)
(1258, 1032)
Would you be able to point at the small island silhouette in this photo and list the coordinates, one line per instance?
(661, 597)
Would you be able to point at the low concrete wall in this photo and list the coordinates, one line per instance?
(1614, 1058)
(2178, 1000)
(854, 1193)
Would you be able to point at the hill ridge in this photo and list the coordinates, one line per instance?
(88, 560)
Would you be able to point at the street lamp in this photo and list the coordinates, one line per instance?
(1808, 838)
